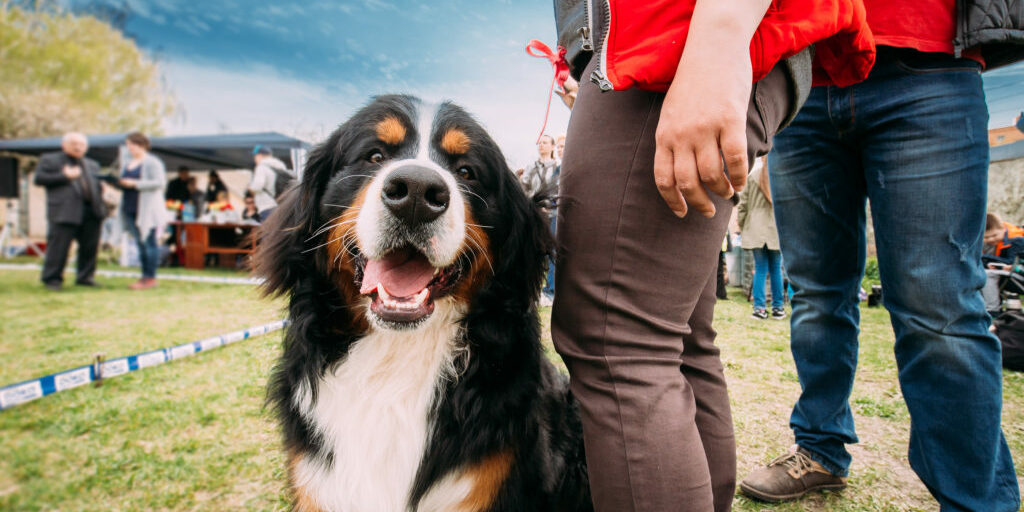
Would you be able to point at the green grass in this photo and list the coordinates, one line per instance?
(194, 434)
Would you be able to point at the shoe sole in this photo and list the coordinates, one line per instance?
(779, 498)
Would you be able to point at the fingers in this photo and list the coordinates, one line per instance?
(734, 151)
(689, 182)
(712, 171)
(664, 179)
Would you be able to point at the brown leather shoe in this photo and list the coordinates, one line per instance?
(789, 477)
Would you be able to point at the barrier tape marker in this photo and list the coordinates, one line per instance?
(32, 389)
(136, 275)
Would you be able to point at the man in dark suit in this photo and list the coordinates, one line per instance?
(74, 210)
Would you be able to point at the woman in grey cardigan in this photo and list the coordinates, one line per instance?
(143, 180)
(758, 233)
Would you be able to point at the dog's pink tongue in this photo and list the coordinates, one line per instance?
(403, 273)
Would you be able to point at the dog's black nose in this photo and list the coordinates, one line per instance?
(416, 195)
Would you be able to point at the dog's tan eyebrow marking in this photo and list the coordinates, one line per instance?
(391, 131)
(455, 142)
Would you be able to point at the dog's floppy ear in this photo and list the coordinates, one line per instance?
(278, 257)
(523, 253)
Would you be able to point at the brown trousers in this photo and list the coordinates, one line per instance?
(635, 297)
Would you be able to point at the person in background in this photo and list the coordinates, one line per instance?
(221, 203)
(177, 189)
(213, 186)
(722, 277)
(759, 235)
(196, 197)
(249, 211)
(264, 179)
(548, 292)
(1003, 240)
(74, 210)
(143, 180)
(908, 141)
(539, 177)
(1004, 243)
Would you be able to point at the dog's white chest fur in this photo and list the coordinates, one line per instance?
(372, 412)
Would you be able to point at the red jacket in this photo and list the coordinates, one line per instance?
(644, 41)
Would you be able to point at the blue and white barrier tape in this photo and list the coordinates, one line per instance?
(136, 275)
(37, 388)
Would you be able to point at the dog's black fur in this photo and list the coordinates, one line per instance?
(508, 398)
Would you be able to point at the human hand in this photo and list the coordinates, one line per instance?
(72, 172)
(568, 92)
(703, 117)
(128, 183)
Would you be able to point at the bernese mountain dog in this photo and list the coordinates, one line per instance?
(412, 377)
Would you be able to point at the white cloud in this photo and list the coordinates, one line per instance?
(216, 99)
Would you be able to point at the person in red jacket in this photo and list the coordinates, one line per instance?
(646, 181)
(911, 140)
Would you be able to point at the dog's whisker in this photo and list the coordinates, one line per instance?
(332, 226)
(479, 226)
(343, 178)
(464, 189)
(324, 244)
(482, 252)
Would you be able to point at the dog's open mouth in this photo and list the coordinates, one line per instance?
(403, 285)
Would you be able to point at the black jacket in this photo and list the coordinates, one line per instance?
(65, 202)
(996, 26)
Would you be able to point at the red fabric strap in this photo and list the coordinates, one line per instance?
(561, 72)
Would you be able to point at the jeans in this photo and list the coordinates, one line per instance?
(767, 261)
(549, 284)
(912, 140)
(149, 252)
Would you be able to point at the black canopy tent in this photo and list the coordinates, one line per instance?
(201, 152)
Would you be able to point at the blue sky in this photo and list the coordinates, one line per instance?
(301, 68)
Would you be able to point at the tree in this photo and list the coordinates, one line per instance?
(65, 72)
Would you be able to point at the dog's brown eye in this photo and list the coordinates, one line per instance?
(465, 173)
(376, 157)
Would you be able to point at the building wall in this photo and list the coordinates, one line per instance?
(1006, 190)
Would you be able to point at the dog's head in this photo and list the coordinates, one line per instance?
(406, 206)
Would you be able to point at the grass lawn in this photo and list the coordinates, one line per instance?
(194, 434)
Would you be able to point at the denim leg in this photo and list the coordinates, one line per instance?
(819, 204)
(775, 277)
(149, 254)
(760, 272)
(549, 285)
(925, 157)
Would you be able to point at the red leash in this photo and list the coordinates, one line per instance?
(561, 69)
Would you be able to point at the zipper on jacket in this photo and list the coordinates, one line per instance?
(599, 76)
(587, 44)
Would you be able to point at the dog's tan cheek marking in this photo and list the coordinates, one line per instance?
(483, 259)
(391, 131)
(455, 142)
(488, 476)
(344, 270)
(303, 501)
